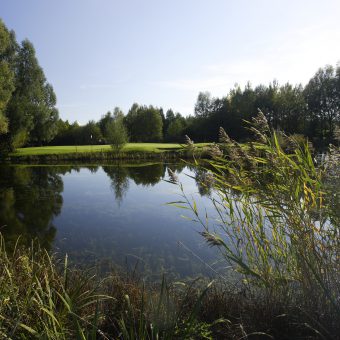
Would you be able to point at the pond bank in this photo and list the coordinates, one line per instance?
(132, 151)
(95, 156)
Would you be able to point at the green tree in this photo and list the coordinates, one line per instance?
(115, 131)
(265, 101)
(31, 110)
(144, 123)
(6, 74)
(169, 117)
(103, 123)
(45, 119)
(89, 134)
(131, 122)
(323, 100)
(3, 124)
(290, 108)
(62, 128)
(175, 130)
(242, 106)
(203, 104)
(67, 134)
(74, 134)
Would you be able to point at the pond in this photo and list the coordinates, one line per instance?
(109, 216)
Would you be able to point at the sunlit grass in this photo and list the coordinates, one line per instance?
(130, 147)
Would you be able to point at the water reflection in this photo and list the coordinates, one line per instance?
(119, 181)
(150, 175)
(142, 174)
(30, 197)
(71, 209)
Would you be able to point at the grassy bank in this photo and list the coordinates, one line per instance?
(102, 152)
(42, 298)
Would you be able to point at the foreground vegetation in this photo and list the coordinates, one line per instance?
(277, 227)
(42, 298)
(278, 220)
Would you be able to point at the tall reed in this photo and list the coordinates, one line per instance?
(42, 298)
(277, 223)
(38, 300)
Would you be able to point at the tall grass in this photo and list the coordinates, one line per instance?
(42, 298)
(40, 301)
(277, 225)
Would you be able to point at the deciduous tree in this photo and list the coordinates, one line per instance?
(31, 110)
(115, 131)
(6, 74)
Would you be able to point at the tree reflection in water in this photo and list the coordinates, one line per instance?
(119, 181)
(30, 197)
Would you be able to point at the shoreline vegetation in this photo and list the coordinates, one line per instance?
(43, 297)
(283, 244)
(130, 151)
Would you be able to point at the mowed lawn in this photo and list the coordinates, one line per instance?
(141, 147)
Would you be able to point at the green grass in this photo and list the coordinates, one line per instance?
(130, 147)
(42, 298)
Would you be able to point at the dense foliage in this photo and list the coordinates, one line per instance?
(115, 131)
(27, 102)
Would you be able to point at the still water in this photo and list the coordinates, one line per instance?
(112, 215)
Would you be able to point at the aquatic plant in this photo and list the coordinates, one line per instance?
(277, 221)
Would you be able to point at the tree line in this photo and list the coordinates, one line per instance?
(312, 110)
(28, 114)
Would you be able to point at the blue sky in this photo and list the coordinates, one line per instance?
(99, 54)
